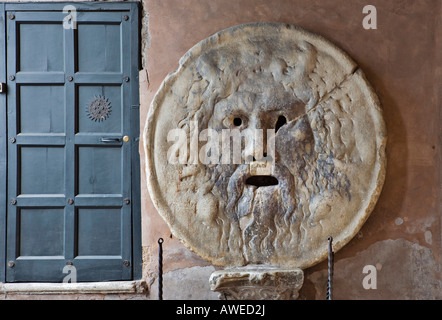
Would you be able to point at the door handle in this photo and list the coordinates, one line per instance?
(2, 87)
(110, 140)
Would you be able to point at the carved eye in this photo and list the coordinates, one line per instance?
(237, 122)
(280, 122)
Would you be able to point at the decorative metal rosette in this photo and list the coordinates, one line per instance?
(99, 109)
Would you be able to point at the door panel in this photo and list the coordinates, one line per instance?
(101, 41)
(99, 231)
(46, 41)
(43, 103)
(40, 232)
(99, 170)
(70, 102)
(110, 121)
(41, 170)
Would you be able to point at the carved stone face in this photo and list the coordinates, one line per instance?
(324, 162)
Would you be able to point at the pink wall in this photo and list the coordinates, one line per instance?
(402, 60)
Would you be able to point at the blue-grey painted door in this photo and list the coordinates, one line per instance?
(72, 136)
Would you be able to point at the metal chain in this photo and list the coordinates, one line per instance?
(331, 258)
(160, 269)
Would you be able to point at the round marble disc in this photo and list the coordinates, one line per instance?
(313, 169)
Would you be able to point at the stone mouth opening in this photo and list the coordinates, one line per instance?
(262, 181)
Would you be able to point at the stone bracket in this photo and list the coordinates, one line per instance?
(257, 282)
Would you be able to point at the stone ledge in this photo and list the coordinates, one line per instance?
(257, 282)
(110, 287)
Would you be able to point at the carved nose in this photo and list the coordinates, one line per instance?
(253, 159)
(256, 142)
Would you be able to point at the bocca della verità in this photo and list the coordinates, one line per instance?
(316, 169)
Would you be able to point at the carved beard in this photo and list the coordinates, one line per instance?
(263, 214)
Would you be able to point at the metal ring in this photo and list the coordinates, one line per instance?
(160, 240)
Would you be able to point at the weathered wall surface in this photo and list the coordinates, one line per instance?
(401, 58)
